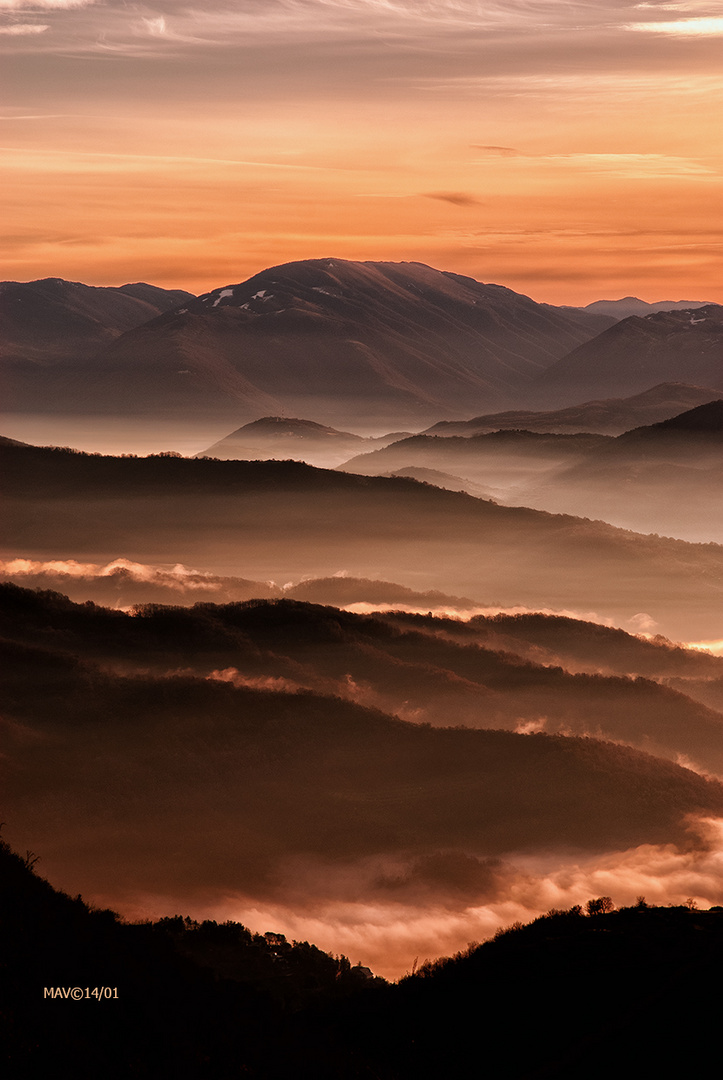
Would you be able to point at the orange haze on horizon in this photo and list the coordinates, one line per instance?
(566, 151)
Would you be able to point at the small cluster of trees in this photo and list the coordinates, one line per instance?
(601, 905)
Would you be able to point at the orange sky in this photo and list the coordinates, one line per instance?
(567, 150)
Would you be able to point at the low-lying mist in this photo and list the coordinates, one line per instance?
(393, 914)
(284, 521)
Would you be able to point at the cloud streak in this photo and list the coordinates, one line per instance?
(701, 27)
(20, 29)
(44, 5)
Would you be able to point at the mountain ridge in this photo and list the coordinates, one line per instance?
(331, 338)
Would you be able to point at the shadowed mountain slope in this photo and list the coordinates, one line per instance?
(344, 341)
(51, 328)
(703, 422)
(637, 353)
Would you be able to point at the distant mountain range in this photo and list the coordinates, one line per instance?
(341, 340)
(50, 329)
(608, 416)
(330, 338)
(665, 478)
(638, 352)
(53, 319)
(351, 344)
(631, 305)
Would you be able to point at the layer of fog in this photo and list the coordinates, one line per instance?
(125, 583)
(119, 434)
(390, 914)
(109, 434)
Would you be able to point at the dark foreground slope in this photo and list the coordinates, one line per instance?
(631, 993)
(166, 1000)
(282, 520)
(214, 1001)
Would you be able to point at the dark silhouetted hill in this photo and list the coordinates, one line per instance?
(173, 998)
(213, 1000)
(281, 437)
(567, 996)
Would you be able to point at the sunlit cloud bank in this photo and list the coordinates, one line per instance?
(701, 27)
(187, 584)
(715, 647)
(20, 29)
(388, 914)
(123, 583)
(639, 623)
(44, 5)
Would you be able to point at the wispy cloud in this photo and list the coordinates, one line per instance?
(98, 160)
(625, 165)
(44, 5)
(456, 198)
(645, 166)
(20, 29)
(157, 26)
(496, 151)
(700, 27)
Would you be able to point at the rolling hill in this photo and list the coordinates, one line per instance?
(609, 416)
(283, 437)
(189, 788)
(286, 520)
(662, 478)
(417, 669)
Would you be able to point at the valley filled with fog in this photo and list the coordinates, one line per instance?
(361, 601)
